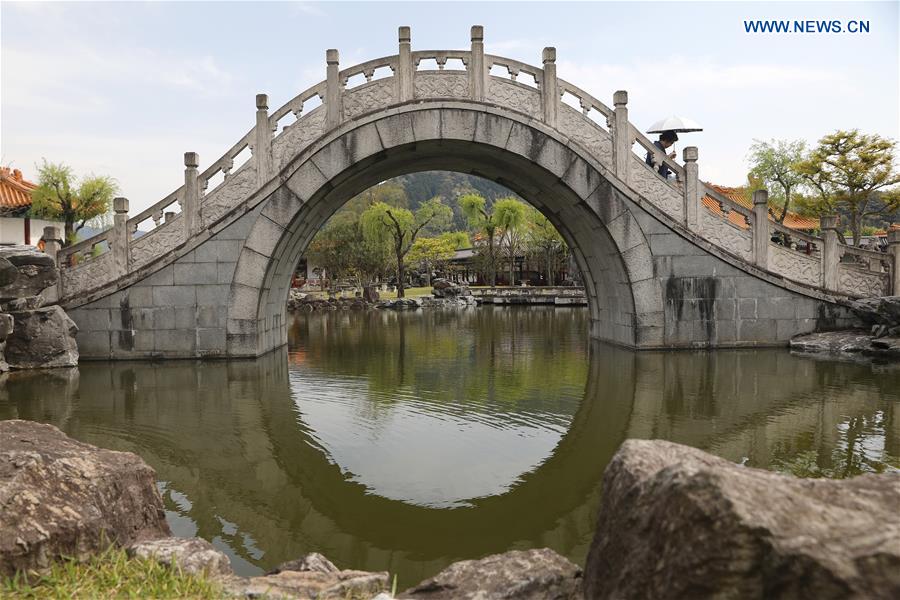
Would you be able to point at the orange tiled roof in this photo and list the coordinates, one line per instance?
(742, 196)
(884, 232)
(15, 191)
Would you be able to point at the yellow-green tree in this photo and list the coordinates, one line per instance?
(482, 220)
(545, 243)
(509, 214)
(382, 222)
(853, 170)
(61, 197)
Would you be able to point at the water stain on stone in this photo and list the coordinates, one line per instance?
(126, 333)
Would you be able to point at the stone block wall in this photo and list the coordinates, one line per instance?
(181, 311)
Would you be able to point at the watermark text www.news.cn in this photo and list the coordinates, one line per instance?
(805, 26)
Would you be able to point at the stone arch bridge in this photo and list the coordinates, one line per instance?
(661, 269)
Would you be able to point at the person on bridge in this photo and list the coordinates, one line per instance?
(665, 141)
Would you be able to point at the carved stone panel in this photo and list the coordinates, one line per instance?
(514, 96)
(87, 275)
(298, 136)
(864, 284)
(649, 185)
(236, 189)
(157, 242)
(441, 85)
(582, 130)
(726, 236)
(368, 97)
(794, 265)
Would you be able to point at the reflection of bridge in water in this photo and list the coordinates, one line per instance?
(661, 269)
(227, 436)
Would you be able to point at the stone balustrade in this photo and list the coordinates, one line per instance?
(605, 134)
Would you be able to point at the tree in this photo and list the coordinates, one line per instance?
(482, 220)
(509, 215)
(430, 252)
(341, 250)
(60, 197)
(545, 243)
(400, 227)
(774, 163)
(852, 169)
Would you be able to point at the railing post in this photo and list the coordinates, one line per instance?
(477, 73)
(621, 134)
(262, 150)
(190, 204)
(52, 245)
(334, 104)
(406, 70)
(118, 241)
(894, 249)
(550, 87)
(691, 189)
(831, 256)
(761, 228)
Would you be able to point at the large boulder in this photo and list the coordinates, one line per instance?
(42, 338)
(311, 576)
(25, 271)
(676, 522)
(6, 328)
(877, 311)
(59, 497)
(521, 574)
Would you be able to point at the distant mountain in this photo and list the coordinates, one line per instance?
(425, 185)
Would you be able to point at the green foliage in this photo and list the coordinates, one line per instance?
(342, 251)
(510, 214)
(853, 170)
(774, 165)
(60, 197)
(110, 574)
(399, 227)
(482, 221)
(545, 245)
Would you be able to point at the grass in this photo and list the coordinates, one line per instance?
(110, 574)
(412, 292)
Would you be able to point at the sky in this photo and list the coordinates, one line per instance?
(124, 89)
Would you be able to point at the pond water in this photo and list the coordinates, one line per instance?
(404, 441)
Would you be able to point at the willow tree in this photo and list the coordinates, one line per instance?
(510, 214)
(382, 222)
(545, 243)
(61, 197)
(774, 164)
(482, 220)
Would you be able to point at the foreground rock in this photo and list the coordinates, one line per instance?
(525, 575)
(191, 555)
(310, 577)
(851, 344)
(675, 522)
(42, 338)
(25, 271)
(59, 497)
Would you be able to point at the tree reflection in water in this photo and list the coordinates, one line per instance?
(405, 441)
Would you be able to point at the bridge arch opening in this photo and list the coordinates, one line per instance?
(574, 195)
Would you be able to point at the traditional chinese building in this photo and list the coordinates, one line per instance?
(16, 226)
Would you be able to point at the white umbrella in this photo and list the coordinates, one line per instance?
(675, 123)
